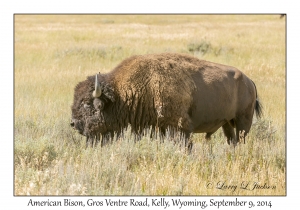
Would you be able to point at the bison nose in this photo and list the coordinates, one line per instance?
(72, 123)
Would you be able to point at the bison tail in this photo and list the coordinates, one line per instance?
(258, 106)
(258, 109)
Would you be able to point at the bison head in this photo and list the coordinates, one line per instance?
(91, 98)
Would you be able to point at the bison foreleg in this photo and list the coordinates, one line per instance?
(189, 145)
(188, 141)
(208, 136)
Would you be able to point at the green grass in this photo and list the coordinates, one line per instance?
(53, 53)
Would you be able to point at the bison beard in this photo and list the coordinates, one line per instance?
(165, 92)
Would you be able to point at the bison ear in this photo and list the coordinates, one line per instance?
(98, 104)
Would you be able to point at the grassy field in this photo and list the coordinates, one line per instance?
(53, 53)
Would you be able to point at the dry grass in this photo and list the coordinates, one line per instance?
(54, 53)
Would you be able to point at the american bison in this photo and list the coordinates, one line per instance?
(166, 91)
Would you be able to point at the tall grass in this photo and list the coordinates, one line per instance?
(53, 53)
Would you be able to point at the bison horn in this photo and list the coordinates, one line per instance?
(97, 92)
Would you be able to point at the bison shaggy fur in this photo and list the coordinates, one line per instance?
(166, 91)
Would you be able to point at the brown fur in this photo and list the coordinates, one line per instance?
(167, 91)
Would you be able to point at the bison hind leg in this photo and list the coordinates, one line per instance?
(243, 125)
(229, 133)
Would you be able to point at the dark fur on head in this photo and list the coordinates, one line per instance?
(87, 112)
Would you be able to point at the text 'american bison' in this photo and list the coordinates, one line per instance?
(165, 92)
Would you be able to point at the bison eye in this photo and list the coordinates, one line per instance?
(86, 106)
